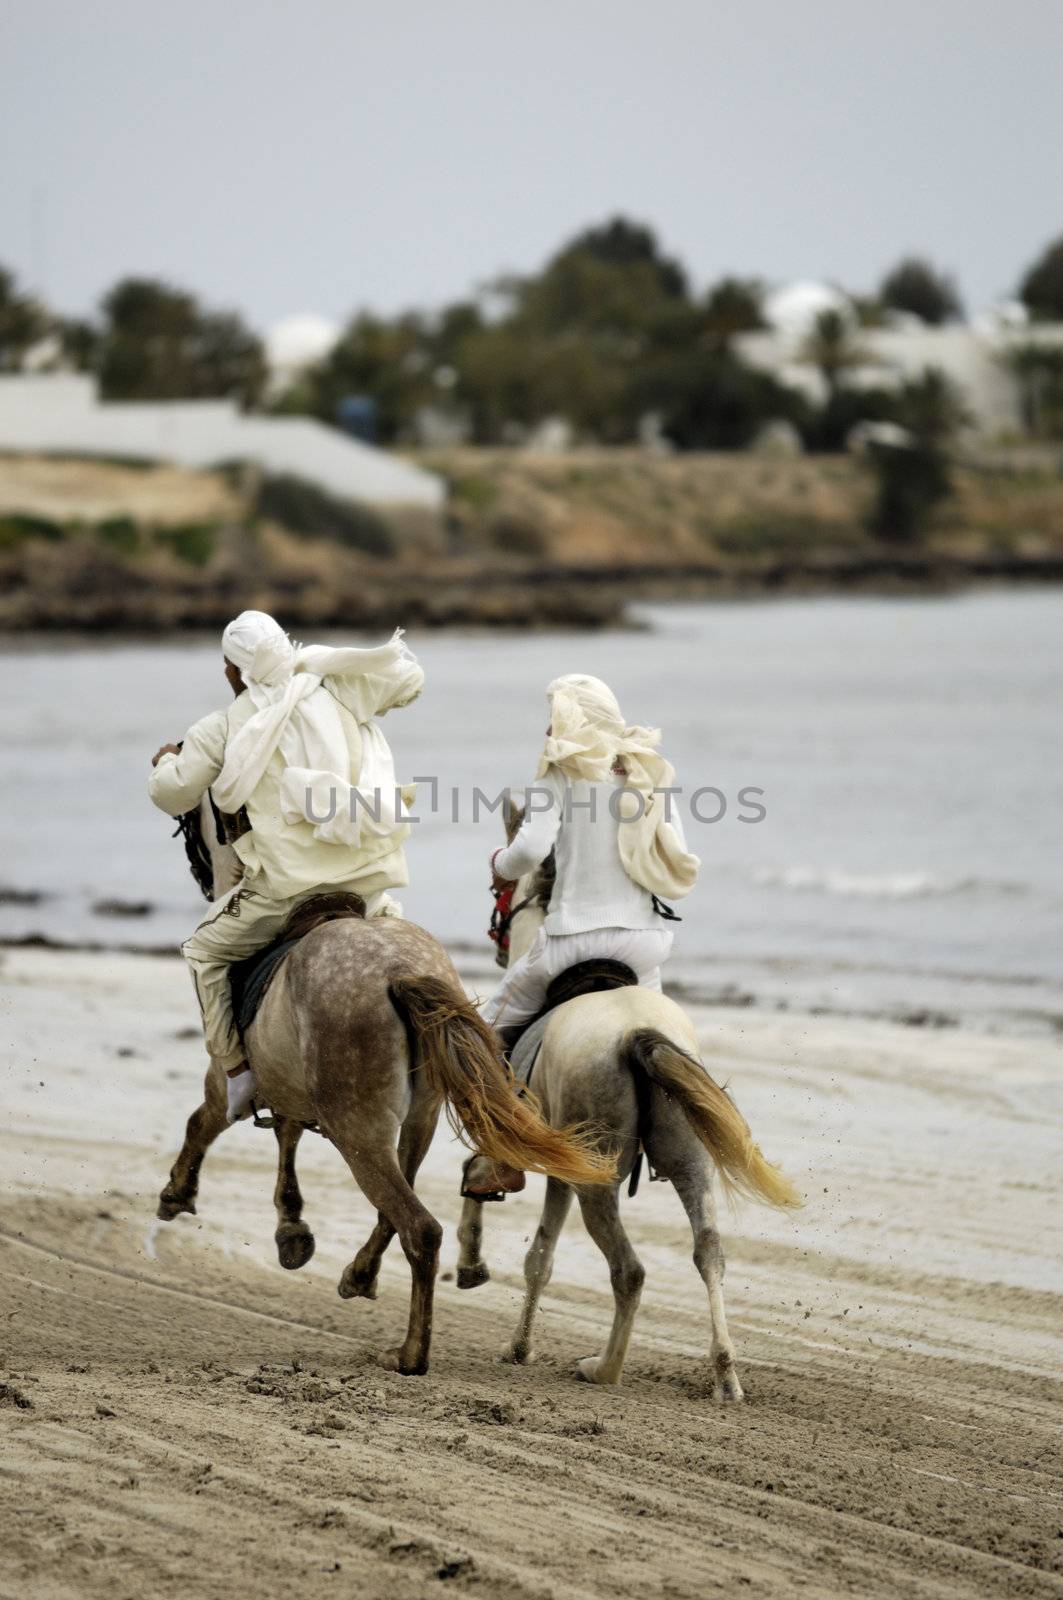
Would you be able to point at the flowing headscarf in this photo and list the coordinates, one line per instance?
(589, 740)
(281, 679)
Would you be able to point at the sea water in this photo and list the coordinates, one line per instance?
(906, 754)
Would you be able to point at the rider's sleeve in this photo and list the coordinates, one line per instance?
(370, 694)
(179, 782)
(535, 838)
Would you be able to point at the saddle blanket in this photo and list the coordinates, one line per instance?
(525, 1052)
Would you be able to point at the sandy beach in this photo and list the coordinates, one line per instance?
(180, 1416)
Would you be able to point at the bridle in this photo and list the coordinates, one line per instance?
(502, 918)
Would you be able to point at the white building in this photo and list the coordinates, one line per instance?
(974, 355)
(295, 344)
(61, 413)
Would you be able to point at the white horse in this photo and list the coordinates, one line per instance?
(626, 1061)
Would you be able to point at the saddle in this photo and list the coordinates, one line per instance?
(249, 979)
(521, 1041)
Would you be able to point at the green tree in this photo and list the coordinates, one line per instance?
(915, 476)
(625, 244)
(832, 349)
(80, 339)
(734, 305)
(710, 400)
(389, 361)
(931, 408)
(1038, 369)
(1042, 288)
(914, 285)
(158, 343)
(575, 335)
(606, 331)
(22, 322)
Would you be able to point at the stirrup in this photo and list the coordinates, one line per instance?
(466, 1193)
(260, 1121)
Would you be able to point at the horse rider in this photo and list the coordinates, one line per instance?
(305, 782)
(600, 802)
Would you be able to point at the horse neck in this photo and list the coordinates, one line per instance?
(526, 923)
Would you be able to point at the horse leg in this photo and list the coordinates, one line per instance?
(204, 1126)
(472, 1268)
(693, 1184)
(360, 1277)
(295, 1242)
(601, 1215)
(538, 1265)
(380, 1179)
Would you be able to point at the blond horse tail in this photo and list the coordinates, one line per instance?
(459, 1054)
(712, 1114)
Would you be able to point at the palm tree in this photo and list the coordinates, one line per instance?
(931, 408)
(832, 348)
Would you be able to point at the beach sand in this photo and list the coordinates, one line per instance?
(180, 1416)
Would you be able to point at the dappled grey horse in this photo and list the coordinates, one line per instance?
(364, 1033)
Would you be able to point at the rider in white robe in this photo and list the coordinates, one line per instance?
(601, 803)
(300, 760)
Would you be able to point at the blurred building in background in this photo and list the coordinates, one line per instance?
(61, 414)
(294, 345)
(1000, 362)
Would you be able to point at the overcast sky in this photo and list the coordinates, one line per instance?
(328, 154)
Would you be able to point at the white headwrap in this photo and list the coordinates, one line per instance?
(280, 678)
(589, 739)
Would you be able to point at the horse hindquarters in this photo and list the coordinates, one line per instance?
(419, 1125)
(359, 1076)
(689, 1124)
(651, 1057)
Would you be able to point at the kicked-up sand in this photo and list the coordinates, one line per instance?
(181, 1417)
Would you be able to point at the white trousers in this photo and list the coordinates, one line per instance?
(520, 995)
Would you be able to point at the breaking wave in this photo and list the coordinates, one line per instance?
(915, 885)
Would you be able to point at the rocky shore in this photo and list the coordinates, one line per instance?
(527, 541)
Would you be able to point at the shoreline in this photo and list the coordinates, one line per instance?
(526, 540)
(547, 598)
(728, 997)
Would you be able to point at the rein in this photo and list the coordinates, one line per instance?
(190, 827)
(502, 918)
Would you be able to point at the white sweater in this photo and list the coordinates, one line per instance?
(591, 889)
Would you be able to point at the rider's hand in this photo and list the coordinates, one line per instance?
(165, 750)
(500, 885)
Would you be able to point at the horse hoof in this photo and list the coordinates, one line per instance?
(515, 1355)
(729, 1392)
(394, 1361)
(591, 1370)
(295, 1245)
(472, 1277)
(356, 1286)
(171, 1205)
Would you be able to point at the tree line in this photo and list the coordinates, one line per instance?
(609, 332)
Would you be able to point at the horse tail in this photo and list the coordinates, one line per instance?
(652, 1057)
(459, 1054)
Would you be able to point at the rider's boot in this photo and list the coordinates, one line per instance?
(485, 1179)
